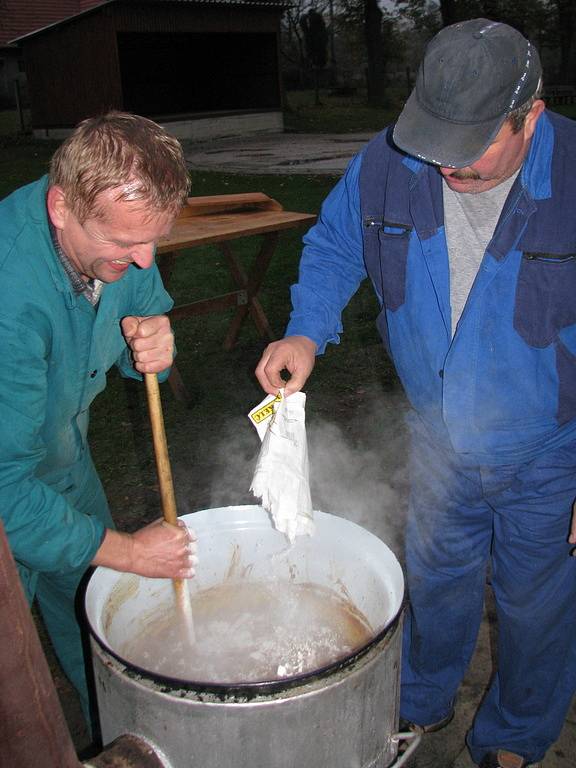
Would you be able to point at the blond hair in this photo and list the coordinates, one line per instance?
(123, 151)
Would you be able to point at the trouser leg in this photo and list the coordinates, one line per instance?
(534, 582)
(57, 595)
(447, 546)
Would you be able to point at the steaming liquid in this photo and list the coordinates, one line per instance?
(248, 632)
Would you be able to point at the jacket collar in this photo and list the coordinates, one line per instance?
(38, 213)
(536, 173)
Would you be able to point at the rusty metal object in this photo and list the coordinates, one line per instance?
(33, 731)
(127, 751)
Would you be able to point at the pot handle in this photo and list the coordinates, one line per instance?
(413, 740)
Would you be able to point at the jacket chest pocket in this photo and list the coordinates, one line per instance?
(545, 297)
(387, 257)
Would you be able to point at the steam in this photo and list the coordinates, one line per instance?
(357, 471)
(360, 472)
(217, 473)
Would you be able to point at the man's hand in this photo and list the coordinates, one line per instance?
(296, 354)
(158, 550)
(572, 537)
(151, 341)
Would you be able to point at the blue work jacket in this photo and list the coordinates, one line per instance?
(503, 388)
(55, 350)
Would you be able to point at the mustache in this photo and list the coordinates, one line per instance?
(465, 175)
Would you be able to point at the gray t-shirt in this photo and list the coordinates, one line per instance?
(470, 221)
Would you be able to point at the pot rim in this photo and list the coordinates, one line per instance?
(250, 690)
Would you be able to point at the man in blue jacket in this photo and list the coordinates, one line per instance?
(462, 216)
(79, 292)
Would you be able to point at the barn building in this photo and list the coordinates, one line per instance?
(202, 68)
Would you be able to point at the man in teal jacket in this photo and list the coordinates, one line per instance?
(461, 215)
(79, 292)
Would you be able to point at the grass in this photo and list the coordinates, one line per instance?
(10, 121)
(350, 114)
(22, 160)
(211, 443)
(337, 114)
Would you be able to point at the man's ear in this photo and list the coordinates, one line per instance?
(57, 207)
(532, 118)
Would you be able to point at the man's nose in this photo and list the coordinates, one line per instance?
(143, 255)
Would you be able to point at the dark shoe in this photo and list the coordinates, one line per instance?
(406, 725)
(504, 759)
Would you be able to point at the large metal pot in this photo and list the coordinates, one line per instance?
(341, 716)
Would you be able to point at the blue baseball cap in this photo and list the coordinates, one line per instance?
(473, 75)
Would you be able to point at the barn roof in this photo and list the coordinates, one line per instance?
(21, 23)
(20, 18)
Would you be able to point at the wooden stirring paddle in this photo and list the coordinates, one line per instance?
(167, 491)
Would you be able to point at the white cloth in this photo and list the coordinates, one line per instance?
(281, 478)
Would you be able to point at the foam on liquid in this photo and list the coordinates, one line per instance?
(248, 632)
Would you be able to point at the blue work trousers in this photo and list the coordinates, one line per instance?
(515, 519)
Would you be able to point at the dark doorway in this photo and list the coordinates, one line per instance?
(166, 74)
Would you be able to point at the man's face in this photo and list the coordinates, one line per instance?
(502, 158)
(106, 246)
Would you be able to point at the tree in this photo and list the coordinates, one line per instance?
(292, 45)
(375, 54)
(528, 16)
(377, 32)
(424, 15)
(316, 43)
(566, 16)
(548, 23)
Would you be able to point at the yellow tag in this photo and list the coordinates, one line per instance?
(266, 411)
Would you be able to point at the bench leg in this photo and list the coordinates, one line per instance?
(252, 284)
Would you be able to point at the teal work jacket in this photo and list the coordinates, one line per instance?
(55, 350)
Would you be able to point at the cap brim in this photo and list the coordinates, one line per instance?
(440, 141)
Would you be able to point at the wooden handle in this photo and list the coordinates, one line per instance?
(164, 471)
(167, 496)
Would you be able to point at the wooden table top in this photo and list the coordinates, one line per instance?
(215, 219)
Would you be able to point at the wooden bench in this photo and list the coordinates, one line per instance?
(218, 220)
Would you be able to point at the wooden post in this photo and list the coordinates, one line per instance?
(33, 730)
